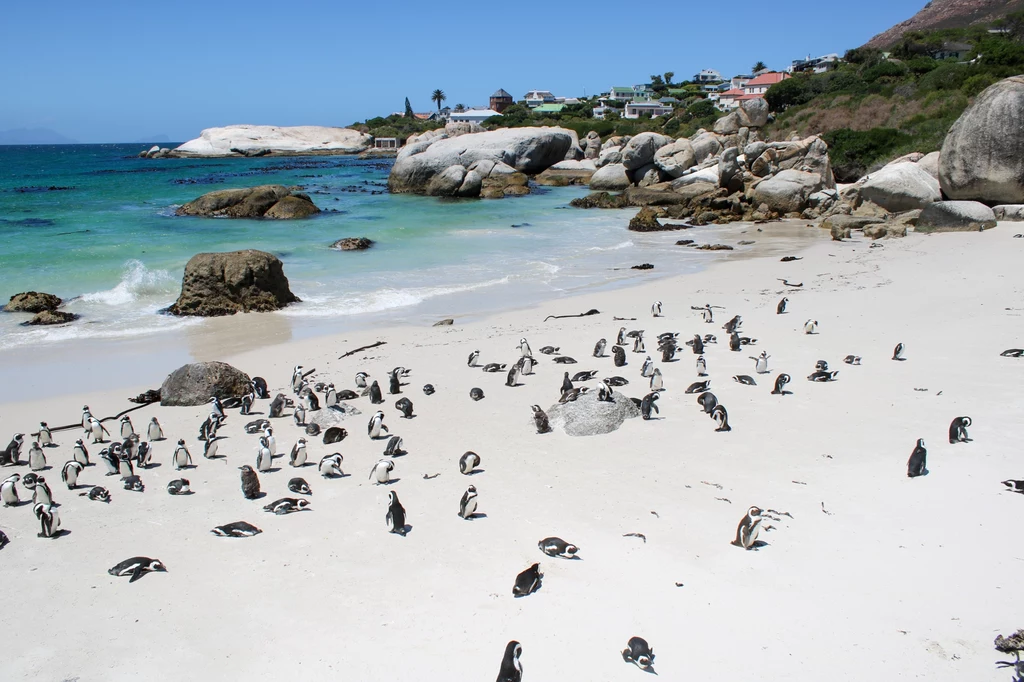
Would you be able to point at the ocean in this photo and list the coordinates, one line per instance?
(95, 225)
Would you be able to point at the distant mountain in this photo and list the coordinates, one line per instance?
(947, 14)
(154, 139)
(33, 136)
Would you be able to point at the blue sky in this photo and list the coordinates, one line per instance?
(102, 71)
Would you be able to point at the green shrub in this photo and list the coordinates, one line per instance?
(973, 86)
(853, 151)
(888, 70)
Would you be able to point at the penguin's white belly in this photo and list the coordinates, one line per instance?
(470, 508)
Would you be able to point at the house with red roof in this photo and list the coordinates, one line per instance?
(752, 89)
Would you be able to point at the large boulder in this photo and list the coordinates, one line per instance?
(675, 158)
(900, 187)
(32, 302)
(982, 157)
(955, 216)
(754, 113)
(592, 144)
(195, 384)
(448, 182)
(646, 220)
(525, 150)
(227, 283)
(250, 140)
(705, 145)
(610, 178)
(588, 416)
(265, 201)
(787, 191)
(729, 124)
(641, 149)
(1009, 212)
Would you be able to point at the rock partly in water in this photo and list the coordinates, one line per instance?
(982, 158)
(265, 201)
(250, 140)
(195, 384)
(446, 322)
(956, 216)
(235, 282)
(47, 317)
(646, 220)
(588, 416)
(352, 244)
(32, 302)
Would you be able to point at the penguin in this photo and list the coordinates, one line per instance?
(780, 309)
(604, 392)
(494, 367)
(361, 378)
(98, 494)
(897, 353)
(381, 471)
(511, 669)
(566, 383)
(657, 383)
(811, 327)
(761, 363)
(259, 387)
(41, 493)
(268, 434)
(558, 547)
(375, 397)
(540, 419)
(4, 540)
(823, 376)
(264, 459)
(473, 357)
(702, 366)
(277, 406)
(708, 401)
(296, 378)
(145, 455)
(647, 368)
(395, 517)
(182, 457)
(216, 408)
(376, 425)
(467, 505)
(331, 398)
(298, 456)
(250, 482)
(179, 486)
(404, 405)
(86, 416)
(748, 529)
(130, 447)
(208, 429)
(254, 427)
(127, 430)
(917, 464)
(134, 484)
(49, 520)
(528, 582)
(707, 314)
(36, 458)
(210, 449)
(330, 466)
(469, 462)
(821, 366)
(649, 405)
(394, 387)
(732, 325)
(96, 430)
(638, 344)
(335, 434)
(656, 309)
(110, 461)
(238, 529)
(599, 348)
(299, 485)
(639, 652)
(780, 385)
(80, 453)
(698, 387)
(247, 401)
(1013, 486)
(309, 401)
(721, 418)
(346, 394)
(744, 379)
(525, 365)
(28, 481)
(668, 353)
(734, 341)
(524, 347)
(958, 430)
(512, 380)
(852, 359)
(8, 491)
(697, 344)
(287, 505)
(476, 394)
(124, 465)
(45, 438)
(137, 567)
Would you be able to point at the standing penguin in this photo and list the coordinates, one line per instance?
(86, 416)
(36, 458)
(80, 454)
(917, 464)
(540, 418)
(525, 365)
(468, 462)
(360, 379)
(618, 356)
(512, 379)
(298, 456)
(299, 415)
(781, 307)
(707, 314)
(145, 454)
(648, 368)
(331, 398)
(524, 347)
(734, 341)
(210, 448)
(780, 385)
(747, 531)
(566, 383)
(109, 459)
(264, 458)
(656, 309)
(41, 493)
(395, 517)
(721, 418)
(761, 363)
(45, 437)
(216, 408)
(296, 378)
(467, 505)
(604, 392)
(649, 406)
(473, 357)
(49, 520)
(811, 327)
(127, 430)
(376, 425)
(958, 430)
(697, 344)
(702, 367)
(330, 466)
(8, 491)
(394, 386)
(250, 483)
(247, 402)
(511, 669)
(639, 652)
(657, 384)
(124, 465)
(268, 433)
(375, 397)
(155, 432)
(620, 338)
(381, 471)
(897, 353)
(96, 430)
(638, 343)
(181, 458)
(599, 348)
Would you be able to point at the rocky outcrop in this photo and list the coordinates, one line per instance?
(592, 145)
(195, 384)
(566, 173)
(610, 178)
(787, 191)
(266, 201)
(32, 302)
(588, 416)
(524, 150)
(641, 149)
(236, 282)
(248, 140)
(900, 187)
(1009, 212)
(48, 317)
(675, 158)
(352, 244)
(646, 220)
(956, 216)
(982, 158)
(943, 14)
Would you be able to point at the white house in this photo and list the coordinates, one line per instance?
(737, 82)
(534, 98)
(708, 76)
(472, 115)
(635, 109)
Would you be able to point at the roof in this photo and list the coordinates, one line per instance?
(735, 92)
(501, 94)
(423, 117)
(648, 104)
(770, 78)
(549, 108)
(623, 90)
(475, 113)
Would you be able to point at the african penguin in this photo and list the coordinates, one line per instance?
(897, 353)
(395, 517)
(381, 471)
(376, 425)
(137, 567)
(468, 503)
(917, 464)
(599, 348)
(330, 466)
(540, 419)
(555, 546)
(528, 581)
(182, 457)
(638, 652)
(250, 483)
(70, 474)
(748, 529)
(298, 454)
(781, 307)
(656, 309)
(958, 430)
(404, 405)
(511, 669)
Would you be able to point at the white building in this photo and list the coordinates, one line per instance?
(534, 98)
(708, 76)
(635, 109)
(472, 115)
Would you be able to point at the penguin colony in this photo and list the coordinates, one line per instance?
(93, 455)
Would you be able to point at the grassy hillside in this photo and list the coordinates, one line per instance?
(939, 14)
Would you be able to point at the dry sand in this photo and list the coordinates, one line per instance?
(874, 575)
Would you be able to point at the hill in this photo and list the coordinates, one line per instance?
(33, 136)
(947, 14)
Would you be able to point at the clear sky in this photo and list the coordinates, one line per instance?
(102, 71)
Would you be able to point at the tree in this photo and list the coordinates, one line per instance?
(438, 96)
(759, 66)
(656, 80)
(408, 109)
(669, 75)
(459, 108)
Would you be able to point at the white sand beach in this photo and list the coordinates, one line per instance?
(869, 574)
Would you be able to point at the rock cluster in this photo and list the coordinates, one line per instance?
(266, 201)
(588, 416)
(218, 284)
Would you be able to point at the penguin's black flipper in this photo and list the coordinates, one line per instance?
(137, 573)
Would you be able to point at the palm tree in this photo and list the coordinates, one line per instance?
(760, 66)
(459, 108)
(438, 96)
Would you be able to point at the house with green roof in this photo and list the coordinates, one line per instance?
(549, 108)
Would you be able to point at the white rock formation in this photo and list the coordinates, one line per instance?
(250, 139)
